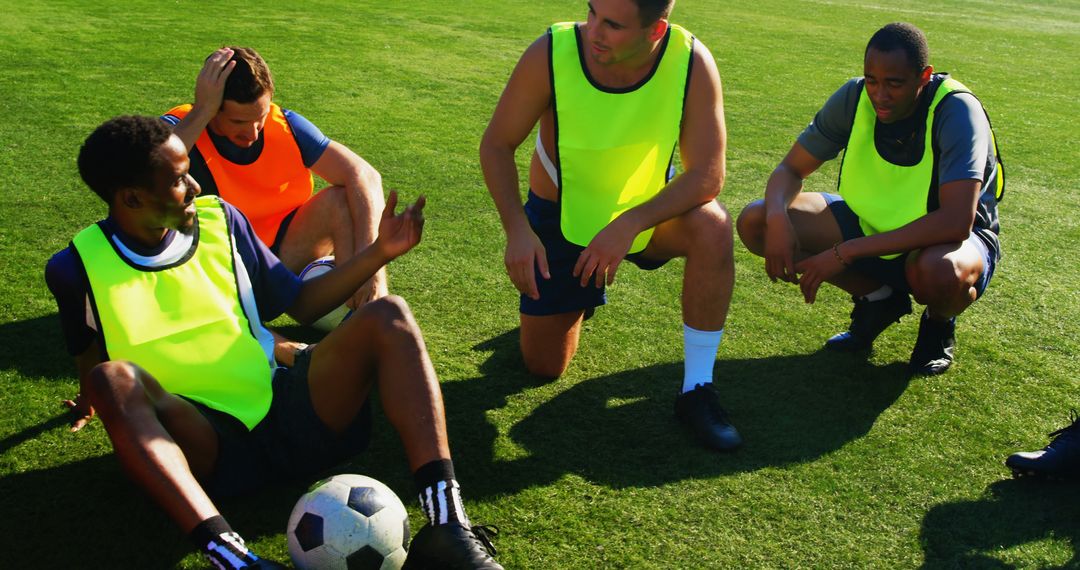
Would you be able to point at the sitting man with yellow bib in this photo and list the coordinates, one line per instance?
(916, 214)
(260, 158)
(161, 304)
(613, 97)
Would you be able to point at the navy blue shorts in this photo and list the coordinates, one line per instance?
(891, 271)
(563, 293)
(290, 443)
(279, 237)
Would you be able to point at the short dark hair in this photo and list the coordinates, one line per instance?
(902, 36)
(120, 154)
(653, 10)
(250, 79)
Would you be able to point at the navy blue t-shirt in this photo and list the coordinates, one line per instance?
(273, 287)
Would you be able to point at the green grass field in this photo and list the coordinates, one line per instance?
(847, 463)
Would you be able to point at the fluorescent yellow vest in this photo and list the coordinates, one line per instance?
(614, 146)
(184, 324)
(886, 196)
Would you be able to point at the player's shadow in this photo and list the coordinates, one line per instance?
(87, 513)
(620, 429)
(35, 348)
(1014, 512)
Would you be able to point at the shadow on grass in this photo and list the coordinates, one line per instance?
(35, 348)
(89, 514)
(1015, 512)
(620, 430)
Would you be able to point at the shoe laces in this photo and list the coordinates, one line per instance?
(485, 534)
(1067, 433)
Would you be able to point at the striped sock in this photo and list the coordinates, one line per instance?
(440, 494)
(223, 547)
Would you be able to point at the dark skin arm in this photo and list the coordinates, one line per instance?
(398, 233)
(81, 411)
(950, 223)
(785, 183)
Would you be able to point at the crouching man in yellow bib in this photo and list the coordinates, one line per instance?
(613, 97)
(916, 212)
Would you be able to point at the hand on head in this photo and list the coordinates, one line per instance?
(210, 84)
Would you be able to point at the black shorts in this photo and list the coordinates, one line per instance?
(290, 443)
(563, 293)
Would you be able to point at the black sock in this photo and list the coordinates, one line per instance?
(221, 545)
(440, 494)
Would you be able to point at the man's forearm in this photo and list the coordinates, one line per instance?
(780, 191)
(501, 177)
(684, 193)
(192, 125)
(935, 228)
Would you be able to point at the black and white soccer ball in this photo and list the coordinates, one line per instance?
(348, 522)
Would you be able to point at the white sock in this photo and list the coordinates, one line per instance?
(879, 294)
(699, 351)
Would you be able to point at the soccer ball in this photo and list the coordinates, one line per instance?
(334, 317)
(348, 522)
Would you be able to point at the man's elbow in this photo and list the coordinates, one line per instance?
(712, 183)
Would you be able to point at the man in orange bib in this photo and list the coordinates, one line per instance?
(260, 158)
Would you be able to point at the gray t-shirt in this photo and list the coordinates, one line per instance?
(963, 147)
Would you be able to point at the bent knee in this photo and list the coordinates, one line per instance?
(389, 313)
(708, 224)
(751, 226)
(108, 380)
(937, 279)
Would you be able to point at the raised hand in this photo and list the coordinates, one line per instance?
(398, 233)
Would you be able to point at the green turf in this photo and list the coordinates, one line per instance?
(847, 463)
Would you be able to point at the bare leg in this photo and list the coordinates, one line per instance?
(161, 440)
(548, 343)
(323, 225)
(381, 344)
(703, 236)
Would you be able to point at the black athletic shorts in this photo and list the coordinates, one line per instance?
(290, 443)
(563, 293)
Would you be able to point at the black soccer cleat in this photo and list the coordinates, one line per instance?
(868, 320)
(935, 346)
(453, 546)
(700, 410)
(1059, 460)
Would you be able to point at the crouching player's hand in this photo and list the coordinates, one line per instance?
(81, 412)
(398, 233)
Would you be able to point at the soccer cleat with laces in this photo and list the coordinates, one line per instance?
(700, 410)
(935, 346)
(868, 320)
(1059, 460)
(453, 546)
